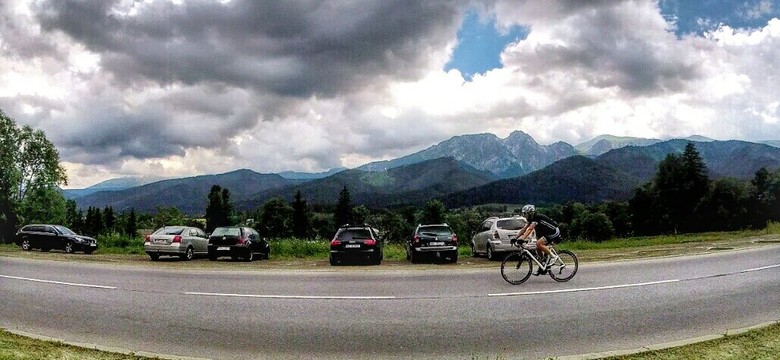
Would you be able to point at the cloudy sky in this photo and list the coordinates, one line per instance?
(182, 88)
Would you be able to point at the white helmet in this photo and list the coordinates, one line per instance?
(528, 211)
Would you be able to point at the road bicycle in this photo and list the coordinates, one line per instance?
(517, 266)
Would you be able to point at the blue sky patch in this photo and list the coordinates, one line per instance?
(697, 17)
(480, 44)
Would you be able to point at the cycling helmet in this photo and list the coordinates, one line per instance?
(528, 211)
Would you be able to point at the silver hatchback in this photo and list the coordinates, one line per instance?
(495, 236)
(182, 241)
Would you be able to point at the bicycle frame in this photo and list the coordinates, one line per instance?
(533, 257)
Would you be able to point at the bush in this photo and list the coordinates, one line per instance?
(121, 244)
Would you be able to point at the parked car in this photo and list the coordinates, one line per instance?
(495, 235)
(46, 237)
(238, 242)
(182, 241)
(436, 240)
(356, 242)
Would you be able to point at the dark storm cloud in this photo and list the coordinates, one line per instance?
(290, 48)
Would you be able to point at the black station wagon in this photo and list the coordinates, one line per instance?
(47, 237)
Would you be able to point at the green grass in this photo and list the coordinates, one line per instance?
(757, 344)
(16, 347)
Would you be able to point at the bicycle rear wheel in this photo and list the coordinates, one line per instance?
(565, 268)
(516, 268)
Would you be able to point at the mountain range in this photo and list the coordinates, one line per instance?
(464, 170)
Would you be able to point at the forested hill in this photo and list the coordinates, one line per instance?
(576, 178)
(615, 174)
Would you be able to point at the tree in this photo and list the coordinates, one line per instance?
(300, 220)
(109, 220)
(43, 205)
(433, 212)
(131, 226)
(343, 213)
(93, 225)
(29, 162)
(218, 209)
(167, 216)
(276, 219)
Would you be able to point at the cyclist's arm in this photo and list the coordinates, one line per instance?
(526, 231)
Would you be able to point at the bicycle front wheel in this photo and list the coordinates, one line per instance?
(516, 268)
(565, 268)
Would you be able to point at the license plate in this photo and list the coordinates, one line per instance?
(436, 243)
(223, 248)
(158, 241)
(352, 246)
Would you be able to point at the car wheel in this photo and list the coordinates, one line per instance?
(414, 258)
(154, 257)
(26, 246)
(490, 255)
(69, 247)
(333, 261)
(473, 251)
(212, 256)
(454, 256)
(188, 254)
(249, 256)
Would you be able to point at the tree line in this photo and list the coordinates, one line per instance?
(679, 199)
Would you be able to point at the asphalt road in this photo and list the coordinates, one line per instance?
(373, 312)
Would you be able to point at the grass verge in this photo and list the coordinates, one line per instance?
(757, 344)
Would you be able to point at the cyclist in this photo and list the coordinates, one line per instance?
(547, 232)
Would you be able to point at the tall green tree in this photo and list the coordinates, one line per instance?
(301, 218)
(109, 220)
(343, 213)
(29, 163)
(218, 209)
(131, 225)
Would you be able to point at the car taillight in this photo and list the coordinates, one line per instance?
(148, 238)
(335, 242)
(496, 235)
(455, 238)
(417, 238)
(176, 239)
(370, 242)
(241, 241)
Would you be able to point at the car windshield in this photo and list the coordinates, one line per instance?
(169, 230)
(510, 224)
(64, 230)
(350, 234)
(435, 230)
(226, 231)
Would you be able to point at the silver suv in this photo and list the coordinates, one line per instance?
(495, 235)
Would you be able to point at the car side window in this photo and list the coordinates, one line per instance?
(201, 233)
(49, 230)
(193, 232)
(486, 225)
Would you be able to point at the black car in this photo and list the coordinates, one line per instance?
(356, 242)
(237, 242)
(435, 240)
(47, 237)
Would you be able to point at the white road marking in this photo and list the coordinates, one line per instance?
(59, 282)
(307, 297)
(587, 289)
(633, 285)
